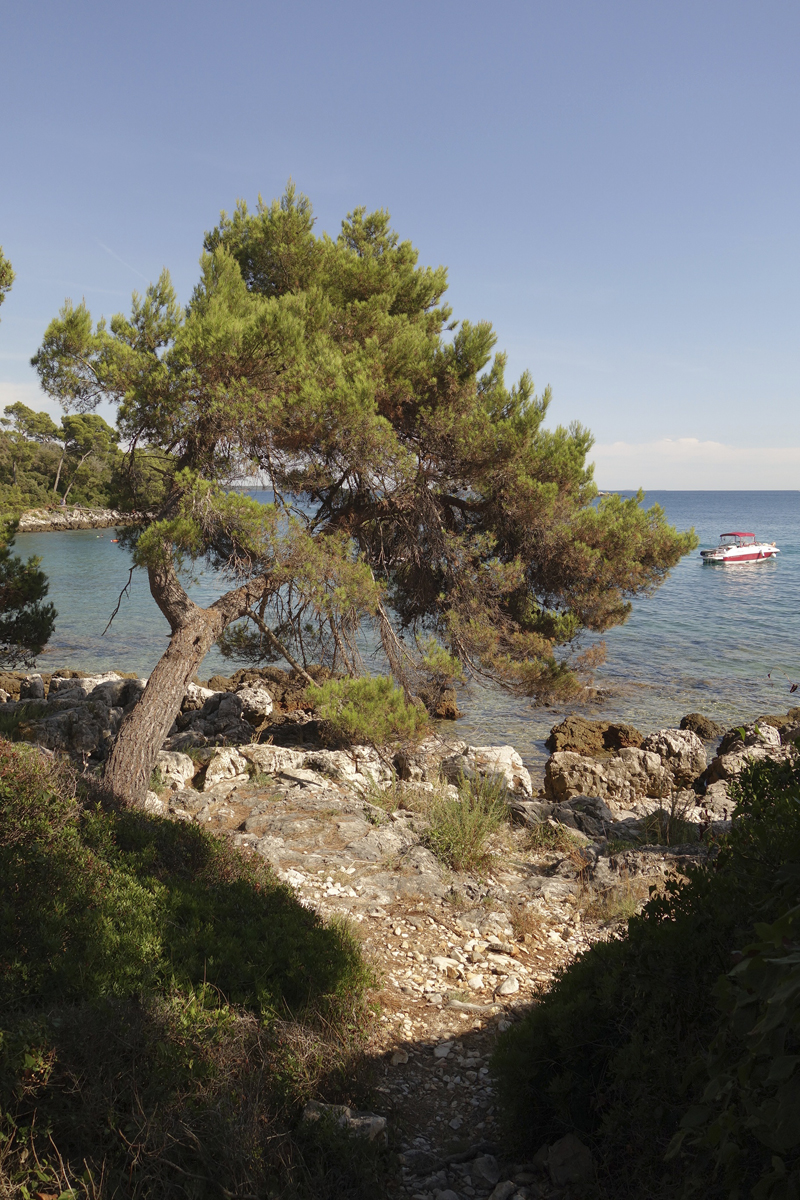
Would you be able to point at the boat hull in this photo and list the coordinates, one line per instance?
(755, 554)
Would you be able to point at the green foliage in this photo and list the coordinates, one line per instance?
(106, 903)
(167, 1007)
(751, 1101)
(629, 1043)
(371, 711)
(25, 622)
(460, 828)
(44, 463)
(428, 485)
(545, 836)
(6, 276)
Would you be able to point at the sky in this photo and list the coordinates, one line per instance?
(614, 185)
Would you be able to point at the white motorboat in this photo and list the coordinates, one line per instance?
(739, 548)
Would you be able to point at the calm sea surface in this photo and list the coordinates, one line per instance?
(724, 641)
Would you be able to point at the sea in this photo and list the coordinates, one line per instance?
(720, 640)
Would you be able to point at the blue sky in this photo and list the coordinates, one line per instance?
(614, 185)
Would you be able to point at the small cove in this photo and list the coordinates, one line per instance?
(708, 640)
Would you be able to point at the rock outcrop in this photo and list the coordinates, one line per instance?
(742, 746)
(74, 516)
(704, 727)
(581, 736)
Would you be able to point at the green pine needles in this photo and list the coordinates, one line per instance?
(371, 711)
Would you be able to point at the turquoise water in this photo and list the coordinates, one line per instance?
(707, 641)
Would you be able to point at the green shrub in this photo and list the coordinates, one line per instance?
(460, 828)
(371, 710)
(751, 1101)
(618, 1050)
(166, 1005)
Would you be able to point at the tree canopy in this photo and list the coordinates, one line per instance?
(37, 457)
(413, 487)
(6, 276)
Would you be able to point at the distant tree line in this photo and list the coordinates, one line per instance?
(77, 462)
(26, 622)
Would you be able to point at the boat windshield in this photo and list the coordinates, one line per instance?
(736, 539)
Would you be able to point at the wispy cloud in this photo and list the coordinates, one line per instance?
(689, 463)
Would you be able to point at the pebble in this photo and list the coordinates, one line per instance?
(442, 1050)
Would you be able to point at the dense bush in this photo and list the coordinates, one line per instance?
(372, 710)
(166, 1006)
(631, 1049)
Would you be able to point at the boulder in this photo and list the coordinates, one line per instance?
(742, 746)
(441, 704)
(681, 751)
(256, 702)
(423, 763)
(486, 1169)
(569, 1161)
(31, 688)
(209, 717)
(487, 761)
(82, 715)
(588, 814)
(360, 767)
(272, 759)
(620, 780)
(582, 736)
(226, 767)
(704, 727)
(196, 696)
(177, 769)
(746, 736)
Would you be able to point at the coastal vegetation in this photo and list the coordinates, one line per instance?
(168, 1007)
(26, 622)
(415, 491)
(78, 461)
(673, 1051)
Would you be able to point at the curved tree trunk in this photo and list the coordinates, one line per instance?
(194, 631)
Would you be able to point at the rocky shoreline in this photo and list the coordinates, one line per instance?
(73, 516)
(459, 954)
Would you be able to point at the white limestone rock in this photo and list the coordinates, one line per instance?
(272, 759)
(620, 780)
(682, 752)
(154, 806)
(226, 767)
(177, 769)
(256, 702)
(486, 761)
(360, 767)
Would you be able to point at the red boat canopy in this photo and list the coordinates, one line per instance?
(737, 534)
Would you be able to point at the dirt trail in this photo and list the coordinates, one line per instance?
(458, 956)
